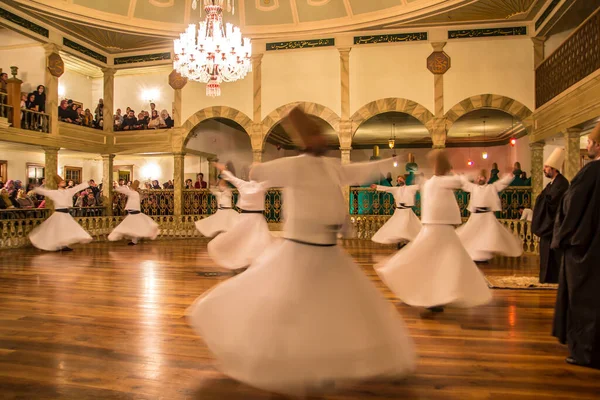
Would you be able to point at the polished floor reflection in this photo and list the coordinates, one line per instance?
(107, 322)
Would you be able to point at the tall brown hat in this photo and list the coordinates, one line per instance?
(135, 185)
(438, 159)
(483, 173)
(307, 130)
(595, 135)
(58, 179)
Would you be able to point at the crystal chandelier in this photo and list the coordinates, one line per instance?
(212, 52)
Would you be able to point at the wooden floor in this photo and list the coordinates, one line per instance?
(107, 322)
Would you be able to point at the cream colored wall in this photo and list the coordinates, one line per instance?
(553, 42)
(17, 161)
(501, 66)
(303, 75)
(237, 95)
(31, 62)
(91, 167)
(97, 91)
(129, 91)
(78, 87)
(395, 70)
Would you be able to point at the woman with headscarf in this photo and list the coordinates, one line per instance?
(164, 114)
(156, 121)
(435, 269)
(24, 201)
(136, 225)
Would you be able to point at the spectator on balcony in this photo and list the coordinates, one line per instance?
(40, 98)
(24, 201)
(6, 201)
(94, 188)
(155, 184)
(70, 184)
(156, 122)
(152, 107)
(167, 118)
(81, 196)
(3, 82)
(200, 183)
(147, 185)
(63, 112)
(28, 118)
(129, 122)
(88, 118)
(121, 182)
(189, 184)
(99, 111)
(142, 121)
(118, 119)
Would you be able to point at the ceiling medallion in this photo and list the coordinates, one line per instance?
(212, 52)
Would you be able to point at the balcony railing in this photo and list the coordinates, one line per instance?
(152, 202)
(5, 109)
(575, 59)
(35, 121)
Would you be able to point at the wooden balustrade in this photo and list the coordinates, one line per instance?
(575, 59)
(35, 121)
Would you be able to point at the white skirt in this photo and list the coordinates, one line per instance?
(221, 221)
(435, 270)
(299, 317)
(58, 231)
(483, 236)
(402, 226)
(135, 226)
(239, 246)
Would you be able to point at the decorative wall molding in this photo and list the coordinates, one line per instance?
(391, 38)
(546, 13)
(381, 106)
(264, 5)
(300, 44)
(22, 22)
(143, 58)
(84, 50)
(488, 32)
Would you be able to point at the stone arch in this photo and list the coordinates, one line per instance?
(216, 112)
(494, 101)
(392, 104)
(314, 109)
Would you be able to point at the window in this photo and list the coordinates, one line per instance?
(35, 173)
(72, 174)
(3, 171)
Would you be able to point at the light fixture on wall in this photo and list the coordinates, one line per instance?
(213, 52)
(150, 95)
(392, 139)
(484, 154)
(61, 91)
(150, 171)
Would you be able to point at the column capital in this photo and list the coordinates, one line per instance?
(107, 156)
(438, 46)
(109, 72)
(539, 40)
(345, 148)
(51, 48)
(345, 51)
(257, 57)
(50, 149)
(573, 132)
(537, 145)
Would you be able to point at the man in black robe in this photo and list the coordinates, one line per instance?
(544, 214)
(577, 234)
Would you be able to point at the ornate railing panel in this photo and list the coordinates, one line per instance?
(152, 202)
(575, 59)
(24, 213)
(35, 121)
(366, 201)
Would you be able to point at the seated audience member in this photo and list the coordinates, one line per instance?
(189, 184)
(3, 82)
(34, 197)
(118, 119)
(147, 185)
(90, 200)
(40, 98)
(167, 118)
(156, 121)
(24, 201)
(130, 122)
(200, 183)
(141, 122)
(88, 118)
(8, 204)
(63, 112)
(99, 111)
(155, 184)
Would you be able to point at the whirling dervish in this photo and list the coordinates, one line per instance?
(60, 230)
(483, 235)
(250, 235)
(404, 225)
(224, 218)
(435, 270)
(304, 318)
(136, 225)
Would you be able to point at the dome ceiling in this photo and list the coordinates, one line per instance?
(129, 25)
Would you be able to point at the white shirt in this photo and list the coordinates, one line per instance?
(315, 208)
(224, 197)
(133, 197)
(485, 196)
(62, 198)
(403, 195)
(527, 215)
(438, 203)
(252, 193)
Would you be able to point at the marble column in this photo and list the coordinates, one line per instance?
(257, 142)
(538, 50)
(107, 182)
(345, 81)
(109, 96)
(50, 170)
(178, 182)
(54, 69)
(537, 169)
(438, 63)
(572, 152)
(177, 82)
(438, 134)
(257, 87)
(345, 151)
(257, 156)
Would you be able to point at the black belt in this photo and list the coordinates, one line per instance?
(311, 244)
(252, 211)
(62, 210)
(224, 208)
(403, 206)
(481, 210)
(133, 212)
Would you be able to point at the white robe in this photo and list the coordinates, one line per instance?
(134, 226)
(250, 235)
(305, 314)
(404, 224)
(60, 230)
(223, 219)
(483, 235)
(435, 269)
